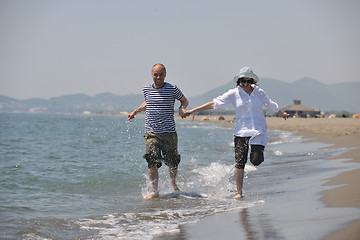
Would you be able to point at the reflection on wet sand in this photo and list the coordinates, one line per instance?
(258, 227)
(247, 224)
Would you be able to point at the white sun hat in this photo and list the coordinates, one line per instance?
(246, 72)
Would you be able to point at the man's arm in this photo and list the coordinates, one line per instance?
(141, 108)
(184, 103)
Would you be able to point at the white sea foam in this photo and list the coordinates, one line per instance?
(278, 153)
(282, 137)
(145, 225)
(208, 190)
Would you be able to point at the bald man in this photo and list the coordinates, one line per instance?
(160, 130)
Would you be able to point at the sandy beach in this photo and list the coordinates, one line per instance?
(341, 133)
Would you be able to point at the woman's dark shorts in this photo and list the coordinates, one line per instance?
(242, 149)
(162, 147)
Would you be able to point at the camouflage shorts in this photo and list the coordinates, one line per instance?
(242, 149)
(162, 147)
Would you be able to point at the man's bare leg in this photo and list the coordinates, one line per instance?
(154, 181)
(173, 173)
(239, 177)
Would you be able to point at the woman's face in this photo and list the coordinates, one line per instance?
(246, 82)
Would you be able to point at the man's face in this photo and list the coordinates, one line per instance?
(158, 74)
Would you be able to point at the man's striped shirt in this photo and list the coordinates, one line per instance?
(160, 107)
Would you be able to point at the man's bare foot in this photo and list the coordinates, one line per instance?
(152, 195)
(238, 196)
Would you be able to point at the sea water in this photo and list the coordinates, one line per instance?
(84, 177)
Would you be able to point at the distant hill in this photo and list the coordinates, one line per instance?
(76, 103)
(314, 94)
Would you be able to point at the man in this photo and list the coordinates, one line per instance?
(160, 132)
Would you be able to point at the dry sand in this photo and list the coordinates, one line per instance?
(342, 132)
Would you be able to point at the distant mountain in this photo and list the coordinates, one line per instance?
(314, 94)
(76, 103)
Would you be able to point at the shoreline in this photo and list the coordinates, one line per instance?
(341, 133)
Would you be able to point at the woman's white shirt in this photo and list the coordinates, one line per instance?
(249, 114)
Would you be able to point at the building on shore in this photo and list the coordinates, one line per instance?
(300, 111)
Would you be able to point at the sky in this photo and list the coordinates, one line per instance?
(53, 48)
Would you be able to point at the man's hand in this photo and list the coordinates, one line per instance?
(131, 115)
(182, 112)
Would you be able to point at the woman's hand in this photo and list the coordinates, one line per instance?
(187, 113)
(284, 115)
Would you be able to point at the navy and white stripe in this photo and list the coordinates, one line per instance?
(160, 107)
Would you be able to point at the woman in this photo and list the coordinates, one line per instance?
(250, 126)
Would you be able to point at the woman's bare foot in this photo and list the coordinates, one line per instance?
(152, 195)
(238, 196)
(175, 187)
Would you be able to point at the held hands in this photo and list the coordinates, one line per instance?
(188, 113)
(184, 113)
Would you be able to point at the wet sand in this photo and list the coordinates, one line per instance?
(345, 190)
(342, 132)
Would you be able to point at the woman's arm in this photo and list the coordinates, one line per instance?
(206, 106)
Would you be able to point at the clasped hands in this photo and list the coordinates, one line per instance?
(184, 113)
